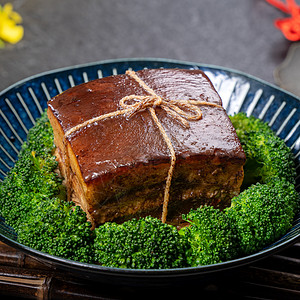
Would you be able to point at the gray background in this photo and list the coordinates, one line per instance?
(238, 34)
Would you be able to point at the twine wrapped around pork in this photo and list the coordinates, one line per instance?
(181, 110)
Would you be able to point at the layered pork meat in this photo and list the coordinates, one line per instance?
(116, 168)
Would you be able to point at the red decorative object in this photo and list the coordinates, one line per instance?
(290, 27)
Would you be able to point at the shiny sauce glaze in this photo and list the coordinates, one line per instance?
(110, 145)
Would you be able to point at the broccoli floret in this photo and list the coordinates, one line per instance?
(211, 236)
(32, 179)
(33, 202)
(265, 209)
(146, 243)
(59, 228)
(267, 156)
(40, 137)
(263, 213)
(256, 218)
(243, 124)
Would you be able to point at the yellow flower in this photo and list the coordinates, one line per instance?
(10, 31)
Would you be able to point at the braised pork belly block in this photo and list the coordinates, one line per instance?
(116, 168)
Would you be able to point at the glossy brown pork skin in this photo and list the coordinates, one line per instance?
(118, 166)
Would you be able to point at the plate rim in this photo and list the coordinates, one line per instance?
(146, 59)
(172, 272)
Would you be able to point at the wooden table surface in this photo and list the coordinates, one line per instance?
(238, 34)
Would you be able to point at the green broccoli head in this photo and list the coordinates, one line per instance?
(33, 178)
(267, 156)
(211, 236)
(263, 213)
(33, 202)
(40, 137)
(243, 124)
(59, 228)
(144, 243)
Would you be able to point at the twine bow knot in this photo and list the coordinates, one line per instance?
(181, 110)
(171, 107)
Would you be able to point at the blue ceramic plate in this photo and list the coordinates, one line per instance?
(23, 102)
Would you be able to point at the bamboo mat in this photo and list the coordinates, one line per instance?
(276, 277)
